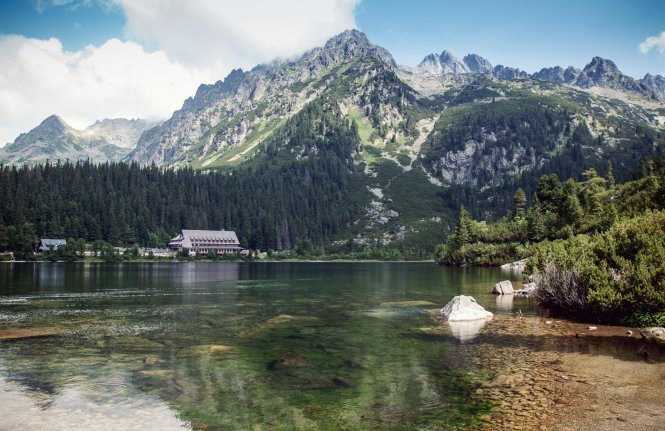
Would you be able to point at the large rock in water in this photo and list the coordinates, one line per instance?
(463, 309)
(503, 288)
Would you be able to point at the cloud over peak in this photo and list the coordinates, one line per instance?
(171, 47)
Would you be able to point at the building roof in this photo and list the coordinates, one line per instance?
(50, 242)
(189, 236)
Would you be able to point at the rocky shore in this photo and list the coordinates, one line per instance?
(562, 376)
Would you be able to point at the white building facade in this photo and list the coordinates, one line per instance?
(205, 241)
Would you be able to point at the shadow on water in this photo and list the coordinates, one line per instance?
(619, 347)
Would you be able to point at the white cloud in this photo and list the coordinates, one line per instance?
(172, 46)
(117, 79)
(653, 42)
(231, 33)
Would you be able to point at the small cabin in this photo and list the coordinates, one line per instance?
(50, 244)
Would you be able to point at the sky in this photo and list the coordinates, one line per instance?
(92, 59)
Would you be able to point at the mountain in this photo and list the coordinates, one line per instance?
(603, 73)
(384, 155)
(53, 139)
(449, 132)
(232, 116)
(120, 132)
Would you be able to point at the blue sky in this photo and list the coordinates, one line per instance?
(529, 34)
(91, 59)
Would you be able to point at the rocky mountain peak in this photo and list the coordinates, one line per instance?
(350, 44)
(430, 64)
(477, 64)
(600, 68)
(604, 73)
(452, 64)
(53, 125)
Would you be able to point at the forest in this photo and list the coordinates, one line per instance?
(276, 202)
(595, 247)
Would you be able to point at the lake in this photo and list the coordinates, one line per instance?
(240, 345)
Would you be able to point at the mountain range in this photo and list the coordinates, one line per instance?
(428, 139)
(54, 139)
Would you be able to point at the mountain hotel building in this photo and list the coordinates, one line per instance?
(203, 241)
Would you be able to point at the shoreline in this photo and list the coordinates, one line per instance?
(227, 261)
(564, 376)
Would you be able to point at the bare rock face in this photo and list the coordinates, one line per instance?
(477, 64)
(464, 308)
(53, 139)
(503, 288)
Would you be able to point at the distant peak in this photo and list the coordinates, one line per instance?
(54, 124)
(54, 119)
(602, 63)
(351, 43)
(348, 36)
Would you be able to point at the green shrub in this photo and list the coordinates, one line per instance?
(614, 274)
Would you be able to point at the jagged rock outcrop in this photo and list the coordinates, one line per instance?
(448, 64)
(477, 64)
(557, 74)
(54, 139)
(503, 72)
(654, 86)
(444, 63)
(604, 73)
(222, 115)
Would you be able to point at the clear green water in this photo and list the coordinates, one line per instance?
(237, 346)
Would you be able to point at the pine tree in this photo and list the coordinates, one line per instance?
(463, 232)
(535, 222)
(519, 204)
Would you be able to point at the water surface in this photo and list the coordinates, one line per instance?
(241, 346)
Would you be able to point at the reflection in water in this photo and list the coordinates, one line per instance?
(236, 346)
(50, 275)
(504, 302)
(467, 330)
(110, 407)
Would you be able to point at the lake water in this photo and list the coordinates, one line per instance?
(230, 346)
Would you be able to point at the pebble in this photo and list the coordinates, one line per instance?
(592, 328)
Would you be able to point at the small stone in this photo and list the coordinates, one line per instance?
(592, 328)
(548, 322)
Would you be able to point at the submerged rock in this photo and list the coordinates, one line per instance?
(18, 334)
(657, 334)
(464, 308)
(467, 330)
(527, 290)
(503, 288)
(406, 304)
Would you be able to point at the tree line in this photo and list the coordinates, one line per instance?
(275, 202)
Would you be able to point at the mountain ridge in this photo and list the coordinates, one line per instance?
(54, 139)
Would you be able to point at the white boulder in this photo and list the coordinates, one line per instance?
(503, 288)
(463, 309)
(657, 332)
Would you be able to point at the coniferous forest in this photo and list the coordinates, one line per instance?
(274, 203)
